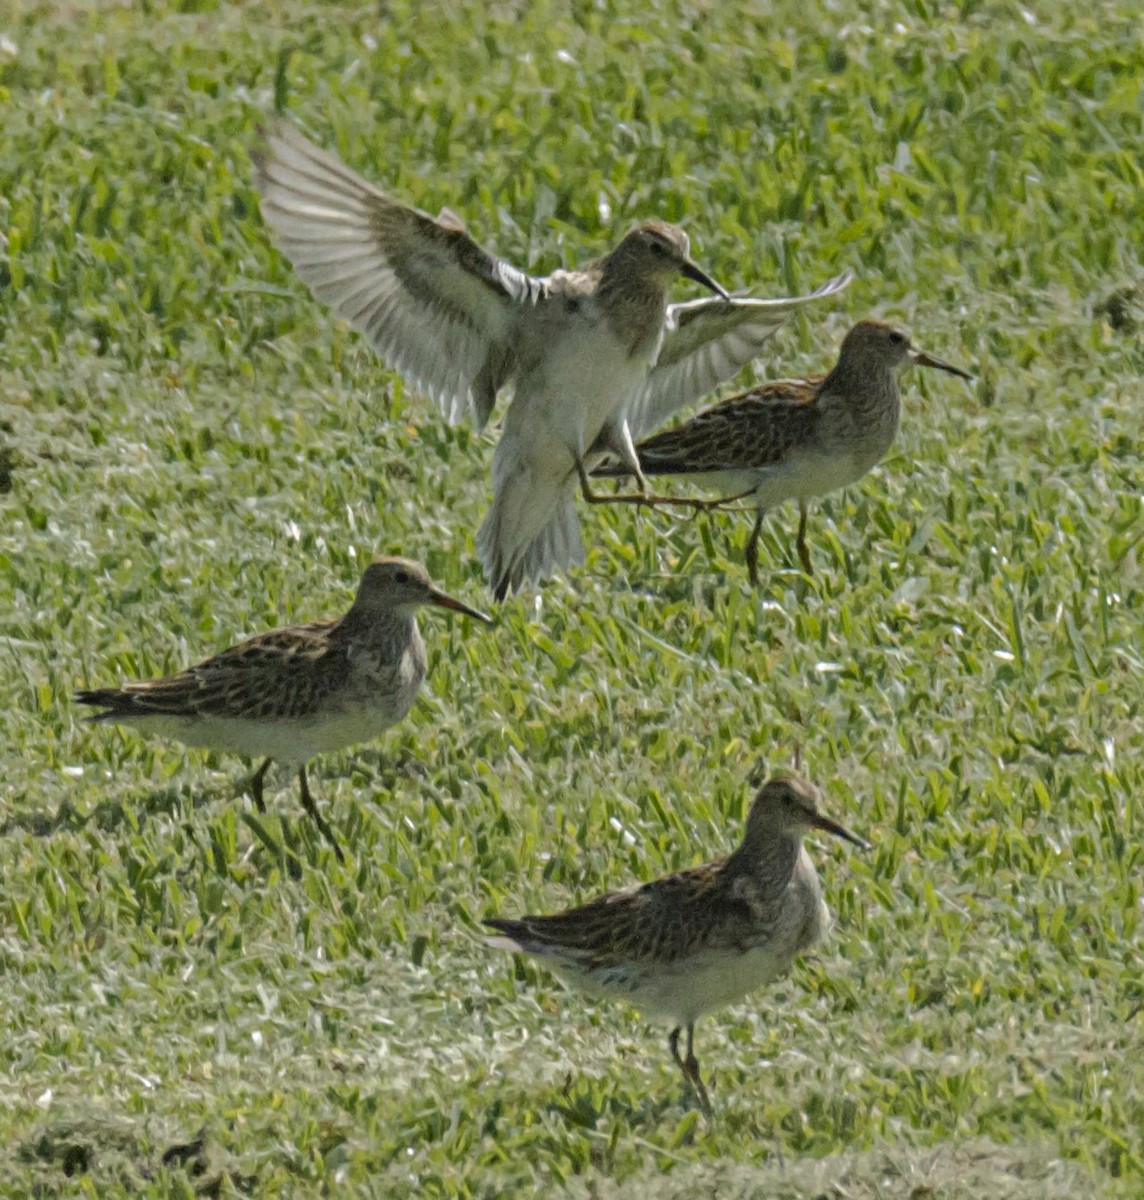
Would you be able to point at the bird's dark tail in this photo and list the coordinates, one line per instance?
(611, 470)
(514, 934)
(651, 463)
(116, 703)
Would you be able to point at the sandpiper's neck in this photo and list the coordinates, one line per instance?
(868, 402)
(390, 629)
(769, 863)
(633, 305)
(866, 387)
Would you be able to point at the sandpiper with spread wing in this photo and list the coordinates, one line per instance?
(296, 692)
(691, 942)
(793, 438)
(590, 354)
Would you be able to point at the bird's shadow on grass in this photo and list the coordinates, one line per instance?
(383, 772)
(670, 1119)
(172, 800)
(583, 1103)
(176, 801)
(109, 816)
(120, 1154)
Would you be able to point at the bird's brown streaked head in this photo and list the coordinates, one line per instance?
(662, 250)
(398, 583)
(877, 344)
(787, 804)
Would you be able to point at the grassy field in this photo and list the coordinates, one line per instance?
(192, 450)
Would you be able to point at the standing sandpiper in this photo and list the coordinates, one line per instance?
(794, 438)
(692, 942)
(586, 352)
(296, 692)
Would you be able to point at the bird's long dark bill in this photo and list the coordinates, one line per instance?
(692, 271)
(447, 601)
(920, 359)
(821, 822)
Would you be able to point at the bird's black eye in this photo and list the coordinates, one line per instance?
(658, 248)
(899, 339)
(401, 577)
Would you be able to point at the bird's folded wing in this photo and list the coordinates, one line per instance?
(281, 675)
(600, 933)
(755, 430)
(661, 921)
(436, 306)
(705, 342)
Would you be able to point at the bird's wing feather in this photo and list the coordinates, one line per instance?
(662, 921)
(754, 430)
(706, 341)
(282, 674)
(434, 304)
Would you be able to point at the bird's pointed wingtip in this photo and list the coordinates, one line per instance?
(275, 127)
(106, 699)
(500, 942)
(839, 283)
(504, 938)
(261, 150)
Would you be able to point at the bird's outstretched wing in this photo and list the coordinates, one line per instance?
(706, 341)
(436, 306)
(282, 674)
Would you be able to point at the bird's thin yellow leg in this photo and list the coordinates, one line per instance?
(752, 552)
(803, 548)
(689, 1066)
(625, 447)
(644, 498)
(692, 1064)
(256, 786)
(309, 805)
(591, 496)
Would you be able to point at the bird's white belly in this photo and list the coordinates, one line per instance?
(289, 741)
(585, 380)
(697, 983)
(682, 991)
(726, 483)
(816, 475)
(800, 478)
(702, 983)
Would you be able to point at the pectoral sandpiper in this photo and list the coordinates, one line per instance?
(299, 691)
(692, 942)
(586, 352)
(794, 438)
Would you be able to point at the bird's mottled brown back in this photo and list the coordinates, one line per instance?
(659, 922)
(758, 428)
(283, 674)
